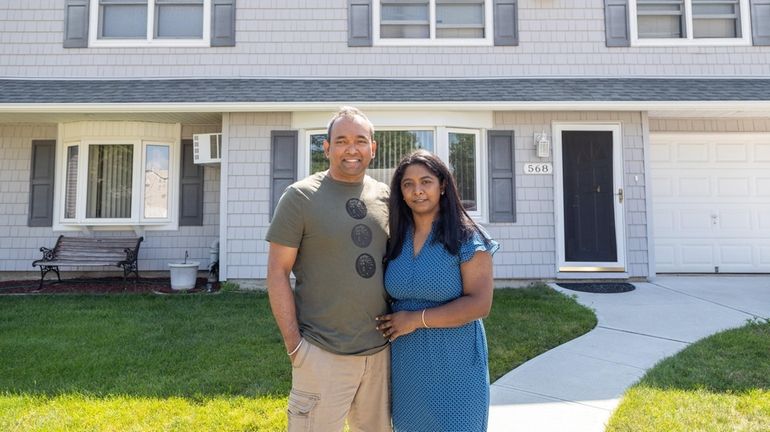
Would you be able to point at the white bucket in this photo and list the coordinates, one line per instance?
(183, 275)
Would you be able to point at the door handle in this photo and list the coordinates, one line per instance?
(620, 195)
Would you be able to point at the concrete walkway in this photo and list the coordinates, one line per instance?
(576, 386)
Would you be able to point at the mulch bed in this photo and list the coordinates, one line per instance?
(102, 285)
(598, 287)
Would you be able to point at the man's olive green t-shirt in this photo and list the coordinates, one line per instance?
(340, 230)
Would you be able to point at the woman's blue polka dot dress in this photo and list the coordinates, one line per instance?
(440, 377)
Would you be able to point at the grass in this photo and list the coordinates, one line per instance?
(721, 383)
(194, 362)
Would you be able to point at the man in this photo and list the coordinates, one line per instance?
(330, 229)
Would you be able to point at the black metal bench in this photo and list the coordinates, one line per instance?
(91, 252)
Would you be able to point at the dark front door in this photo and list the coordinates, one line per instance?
(589, 214)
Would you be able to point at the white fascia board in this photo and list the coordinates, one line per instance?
(729, 105)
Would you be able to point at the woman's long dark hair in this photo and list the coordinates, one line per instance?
(453, 226)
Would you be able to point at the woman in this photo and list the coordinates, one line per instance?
(439, 275)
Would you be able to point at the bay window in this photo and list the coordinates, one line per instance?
(117, 181)
(105, 191)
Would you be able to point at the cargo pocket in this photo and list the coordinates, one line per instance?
(301, 405)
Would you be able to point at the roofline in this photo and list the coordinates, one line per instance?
(732, 105)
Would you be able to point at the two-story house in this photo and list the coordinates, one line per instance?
(592, 138)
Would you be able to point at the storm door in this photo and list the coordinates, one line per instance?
(591, 201)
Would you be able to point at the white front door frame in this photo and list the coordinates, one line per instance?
(609, 269)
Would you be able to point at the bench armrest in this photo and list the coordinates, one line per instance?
(47, 254)
(131, 254)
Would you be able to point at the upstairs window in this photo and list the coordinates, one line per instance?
(433, 22)
(667, 22)
(150, 22)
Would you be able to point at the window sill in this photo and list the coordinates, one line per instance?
(433, 42)
(162, 43)
(139, 229)
(641, 43)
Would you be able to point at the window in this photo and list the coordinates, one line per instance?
(150, 22)
(71, 191)
(462, 161)
(156, 186)
(106, 190)
(392, 145)
(114, 174)
(688, 21)
(108, 184)
(435, 22)
(461, 146)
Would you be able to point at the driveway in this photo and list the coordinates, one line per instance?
(576, 386)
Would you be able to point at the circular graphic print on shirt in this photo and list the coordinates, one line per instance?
(365, 266)
(356, 208)
(361, 235)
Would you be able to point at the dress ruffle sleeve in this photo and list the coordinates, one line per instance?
(476, 244)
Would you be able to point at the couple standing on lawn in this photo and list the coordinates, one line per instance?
(365, 309)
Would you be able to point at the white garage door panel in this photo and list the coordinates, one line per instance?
(711, 198)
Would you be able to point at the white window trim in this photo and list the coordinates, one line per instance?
(137, 219)
(149, 41)
(744, 21)
(487, 40)
(441, 149)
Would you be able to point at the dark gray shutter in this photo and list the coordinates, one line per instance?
(283, 164)
(616, 23)
(190, 188)
(41, 178)
(222, 23)
(506, 16)
(502, 179)
(760, 22)
(359, 23)
(75, 23)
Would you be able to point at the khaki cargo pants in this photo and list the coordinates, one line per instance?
(327, 388)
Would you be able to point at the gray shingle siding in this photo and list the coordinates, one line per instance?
(297, 38)
(248, 191)
(19, 244)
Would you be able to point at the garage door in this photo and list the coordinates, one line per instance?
(711, 201)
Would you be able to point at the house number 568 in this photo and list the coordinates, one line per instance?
(538, 168)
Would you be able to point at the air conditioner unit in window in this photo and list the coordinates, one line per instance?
(207, 148)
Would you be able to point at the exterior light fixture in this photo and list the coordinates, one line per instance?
(542, 144)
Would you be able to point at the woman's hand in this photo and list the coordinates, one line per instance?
(398, 324)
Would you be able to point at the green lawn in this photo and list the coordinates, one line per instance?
(196, 362)
(721, 383)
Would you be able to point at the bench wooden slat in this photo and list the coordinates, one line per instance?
(65, 263)
(90, 256)
(98, 245)
(95, 252)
